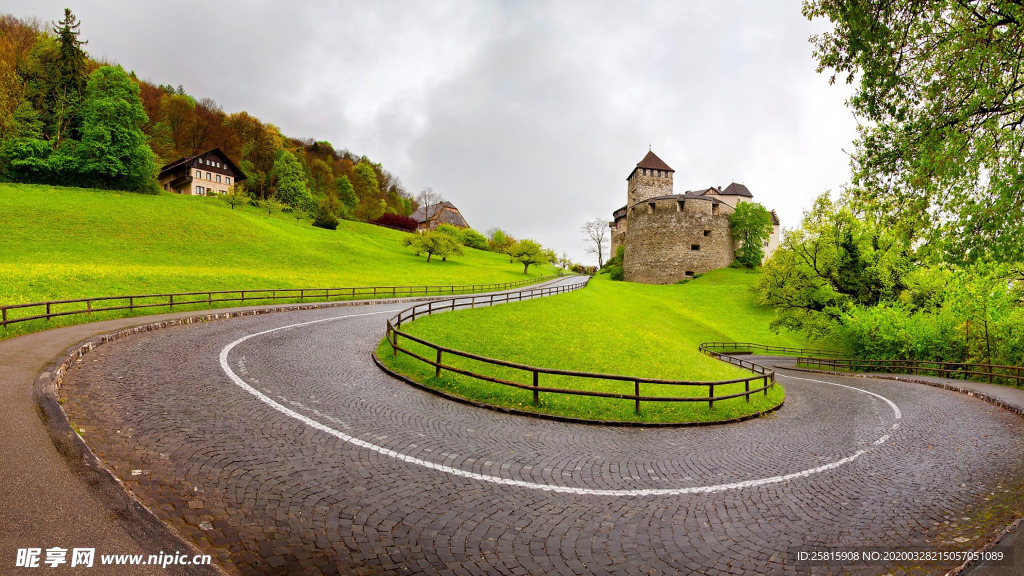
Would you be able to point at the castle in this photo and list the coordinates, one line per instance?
(669, 237)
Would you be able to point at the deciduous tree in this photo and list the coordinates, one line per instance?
(596, 234)
(528, 252)
(433, 243)
(940, 88)
(751, 226)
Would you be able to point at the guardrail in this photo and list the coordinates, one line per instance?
(995, 373)
(751, 348)
(55, 308)
(765, 377)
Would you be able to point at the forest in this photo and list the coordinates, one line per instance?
(68, 119)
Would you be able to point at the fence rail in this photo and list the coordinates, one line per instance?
(55, 308)
(994, 373)
(763, 379)
(752, 348)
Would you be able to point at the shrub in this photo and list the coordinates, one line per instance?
(397, 221)
(615, 273)
(448, 229)
(324, 219)
(473, 239)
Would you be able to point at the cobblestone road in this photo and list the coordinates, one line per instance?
(267, 493)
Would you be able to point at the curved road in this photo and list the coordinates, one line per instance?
(274, 443)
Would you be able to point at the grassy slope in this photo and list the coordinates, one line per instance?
(612, 327)
(58, 243)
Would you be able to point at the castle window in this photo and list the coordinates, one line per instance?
(707, 232)
(695, 247)
(689, 273)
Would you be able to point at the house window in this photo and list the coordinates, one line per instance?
(695, 247)
(208, 176)
(218, 178)
(199, 173)
(227, 179)
(200, 190)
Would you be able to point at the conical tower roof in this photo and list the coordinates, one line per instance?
(651, 162)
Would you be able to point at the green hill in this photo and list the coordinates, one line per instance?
(59, 243)
(610, 327)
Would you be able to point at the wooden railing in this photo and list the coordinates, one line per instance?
(763, 349)
(762, 380)
(993, 373)
(45, 310)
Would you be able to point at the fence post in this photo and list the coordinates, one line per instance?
(711, 396)
(243, 298)
(536, 391)
(47, 311)
(5, 317)
(88, 307)
(394, 344)
(302, 295)
(209, 298)
(765, 385)
(170, 301)
(131, 303)
(747, 386)
(636, 394)
(437, 371)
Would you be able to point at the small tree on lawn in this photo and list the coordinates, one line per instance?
(235, 197)
(528, 252)
(433, 243)
(751, 224)
(270, 206)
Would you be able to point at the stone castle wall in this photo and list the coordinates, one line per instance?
(661, 237)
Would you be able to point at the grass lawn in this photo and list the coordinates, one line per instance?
(608, 327)
(61, 243)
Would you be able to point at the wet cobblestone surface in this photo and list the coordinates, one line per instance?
(266, 493)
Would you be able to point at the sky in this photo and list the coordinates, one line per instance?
(527, 116)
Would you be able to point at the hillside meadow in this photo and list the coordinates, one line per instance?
(608, 327)
(61, 243)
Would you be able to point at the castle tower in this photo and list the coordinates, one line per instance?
(651, 178)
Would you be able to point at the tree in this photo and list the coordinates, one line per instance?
(235, 197)
(564, 263)
(270, 206)
(371, 203)
(833, 262)
(751, 226)
(113, 151)
(595, 233)
(291, 181)
(528, 252)
(940, 155)
(472, 239)
(347, 196)
(429, 201)
(432, 243)
(325, 219)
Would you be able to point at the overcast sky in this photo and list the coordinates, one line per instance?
(526, 115)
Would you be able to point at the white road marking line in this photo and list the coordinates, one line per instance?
(522, 483)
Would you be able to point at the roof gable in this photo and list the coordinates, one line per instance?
(191, 160)
(651, 162)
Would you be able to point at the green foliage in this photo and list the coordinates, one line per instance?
(445, 228)
(270, 206)
(941, 146)
(751, 226)
(528, 252)
(472, 239)
(235, 197)
(347, 196)
(291, 181)
(615, 273)
(499, 241)
(433, 243)
(324, 219)
(113, 152)
(371, 203)
(614, 264)
(833, 262)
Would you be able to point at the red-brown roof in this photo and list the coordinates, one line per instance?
(735, 189)
(653, 162)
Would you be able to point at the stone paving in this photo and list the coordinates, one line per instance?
(267, 493)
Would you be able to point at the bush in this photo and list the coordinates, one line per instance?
(397, 221)
(324, 219)
(472, 239)
(615, 273)
(448, 229)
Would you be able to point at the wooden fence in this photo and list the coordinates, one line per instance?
(15, 313)
(993, 373)
(762, 380)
